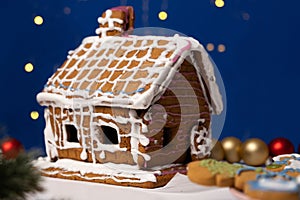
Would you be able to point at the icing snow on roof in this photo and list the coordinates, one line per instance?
(125, 71)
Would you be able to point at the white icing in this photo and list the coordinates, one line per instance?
(275, 184)
(277, 158)
(293, 164)
(128, 173)
(110, 21)
(102, 155)
(83, 155)
(137, 100)
(200, 150)
(49, 137)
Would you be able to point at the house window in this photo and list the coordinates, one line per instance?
(107, 135)
(110, 135)
(71, 132)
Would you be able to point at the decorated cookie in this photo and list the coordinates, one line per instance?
(245, 174)
(275, 187)
(288, 161)
(285, 161)
(275, 167)
(212, 172)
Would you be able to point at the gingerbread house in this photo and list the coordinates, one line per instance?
(144, 101)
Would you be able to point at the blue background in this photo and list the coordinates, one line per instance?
(260, 67)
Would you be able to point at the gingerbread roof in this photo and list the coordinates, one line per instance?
(126, 71)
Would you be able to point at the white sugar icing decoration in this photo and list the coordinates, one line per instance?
(129, 173)
(49, 137)
(294, 164)
(83, 154)
(203, 149)
(293, 161)
(277, 158)
(102, 155)
(110, 21)
(182, 46)
(277, 184)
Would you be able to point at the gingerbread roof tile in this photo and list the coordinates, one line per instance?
(126, 71)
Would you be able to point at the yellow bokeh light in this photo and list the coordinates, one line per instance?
(28, 67)
(221, 48)
(219, 3)
(34, 115)
(38, 20)
(162, 15)
(210, 47)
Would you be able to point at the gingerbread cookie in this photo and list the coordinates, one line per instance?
(245, 174)
(212, 172)
(288, 161)
(275, 187)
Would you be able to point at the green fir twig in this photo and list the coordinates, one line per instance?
(18, 177)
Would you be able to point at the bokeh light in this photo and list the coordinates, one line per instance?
(67, 10)
(28, 67)
(34, 115)
(219, 3)
(210, 47)
(245, 16)
(38, 20)
(162, 15)
(221, 48)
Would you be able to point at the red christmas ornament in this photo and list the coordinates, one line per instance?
(280, 146)
(299, 148)
(11, 148)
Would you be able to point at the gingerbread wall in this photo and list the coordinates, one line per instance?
(85, 120)
(180, 101)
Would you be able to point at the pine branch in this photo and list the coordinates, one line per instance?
(18, 177)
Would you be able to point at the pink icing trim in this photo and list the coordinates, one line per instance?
(187, 47)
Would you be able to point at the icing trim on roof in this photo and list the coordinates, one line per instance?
(158, 71)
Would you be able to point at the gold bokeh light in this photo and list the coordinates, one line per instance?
(221, 48)
(38, 20)
(210, 47)
(162, 15)
(28, 67)
(34, 115)
(219, 3)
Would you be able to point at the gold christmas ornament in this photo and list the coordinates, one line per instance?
(254, 152)
(217, 151)
(231, 146)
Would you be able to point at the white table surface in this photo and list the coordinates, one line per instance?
(178, 188)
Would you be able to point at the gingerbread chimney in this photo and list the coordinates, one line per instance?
(115, 21)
